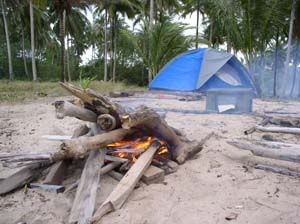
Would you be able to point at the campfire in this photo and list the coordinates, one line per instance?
(130, 145)
(132, 149)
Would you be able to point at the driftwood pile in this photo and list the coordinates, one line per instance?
(272, 147)
(109, 123)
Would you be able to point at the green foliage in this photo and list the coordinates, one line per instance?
(86, 81)
(247, 27)
(162, 43)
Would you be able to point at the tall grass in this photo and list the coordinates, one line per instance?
(24, 91)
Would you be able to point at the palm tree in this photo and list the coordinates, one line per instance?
(105, 47)
(63, 8)
(166, 40)
(10, 67)
(32, 41)
(113, 8)
(151, 14)
(288, 54)
(189, 7)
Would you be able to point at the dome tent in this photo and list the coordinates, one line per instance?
(201, 70)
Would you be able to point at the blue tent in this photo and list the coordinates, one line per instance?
(201, 70)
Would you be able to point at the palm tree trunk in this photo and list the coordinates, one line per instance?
(62, 45)
(288, 54)
(111, 50)
(275, 65)
(34, 76)
(211, 33)
(10, 68)
(151, 18)
(295, 64)
(68, 61)
(197, 28)
(24, 55)
(229, 46)
(105, 47)
(114, 49)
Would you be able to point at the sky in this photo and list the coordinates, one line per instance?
(190, 20)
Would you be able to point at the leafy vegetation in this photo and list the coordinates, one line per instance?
(264, 34)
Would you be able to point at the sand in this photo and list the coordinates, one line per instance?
(218, 183)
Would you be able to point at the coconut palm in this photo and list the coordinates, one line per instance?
(62, 9)
(32, 41)
(113, 9)
(166, 40)
(10, 67)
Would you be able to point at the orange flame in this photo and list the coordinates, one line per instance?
(131, 149)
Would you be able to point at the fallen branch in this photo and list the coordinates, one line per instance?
(279, 170)
(264, 122)
(118, 197)
(287, 154)
(286, 121)
(278, 130)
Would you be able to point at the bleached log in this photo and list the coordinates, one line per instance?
(84, 202)
(286, 121)
(278, 130)
(119, 195)
(279, 170)
(287, 154)
(64, 108)
(57, 137)
(273, 144)
(107, 122)
(264, 122)
(21, 177)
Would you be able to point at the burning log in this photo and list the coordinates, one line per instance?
(118, 197)
(147, 119)
(84, 202)
(280, 153)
